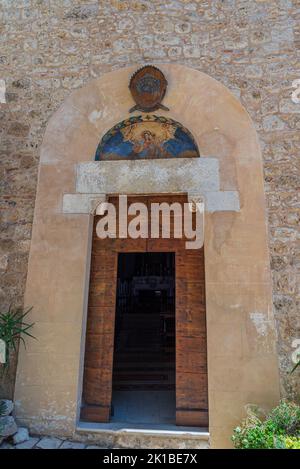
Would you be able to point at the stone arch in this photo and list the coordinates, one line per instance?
(242, 361)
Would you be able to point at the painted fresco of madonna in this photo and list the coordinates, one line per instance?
(149, 147)
(144, 137)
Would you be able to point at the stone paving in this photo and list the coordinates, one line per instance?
(121, 441)
(46, 442)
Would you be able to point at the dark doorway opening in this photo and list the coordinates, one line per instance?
(144, 345)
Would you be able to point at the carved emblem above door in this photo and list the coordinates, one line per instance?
(148, 87)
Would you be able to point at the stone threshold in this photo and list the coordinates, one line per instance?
(159, 430)
(145, 436)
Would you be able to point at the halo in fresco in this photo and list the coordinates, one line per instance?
(150, 136)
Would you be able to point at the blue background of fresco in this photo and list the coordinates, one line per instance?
(115, 144)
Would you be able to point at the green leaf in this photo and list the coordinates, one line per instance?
(13, 328)
(295, 367)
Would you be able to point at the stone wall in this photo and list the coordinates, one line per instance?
(49, 47)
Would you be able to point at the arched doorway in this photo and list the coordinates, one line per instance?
(242, 362)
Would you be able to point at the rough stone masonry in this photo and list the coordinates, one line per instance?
(50, 47)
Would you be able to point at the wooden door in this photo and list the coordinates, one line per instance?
(191, 366)
(191, 363)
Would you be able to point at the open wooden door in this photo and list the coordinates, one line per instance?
(191, 364)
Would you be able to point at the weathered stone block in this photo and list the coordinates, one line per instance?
(72, 445)
(28, 444)
(9, 407)
(49, 443)
(7, 426)
(21, 435)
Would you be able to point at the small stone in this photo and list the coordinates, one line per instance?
(174, 51)
(287, 105)
(169, 39)
(145, 42)
(82, 12)
(191, 52)
(21, 83)
(123, 45)
(125, 24)
(29, 444)
(6, 445)
(49, 443)
(18, 129)
(163, 25)
(9, 407)
(72, 445)
(154, 53)
(273, 123)
(7, 426)
(183, 27)
(4, 262)
(93, 447)
(21, 435)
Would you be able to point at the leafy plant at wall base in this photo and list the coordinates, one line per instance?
(295, 367)
(14, 328)
(286, 419)
(292, 442)
(279, 430)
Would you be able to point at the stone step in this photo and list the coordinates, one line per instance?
(118, 435)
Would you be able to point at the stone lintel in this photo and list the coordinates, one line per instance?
(148, 176)
(82, 203)
(222, 201)
(214, 201)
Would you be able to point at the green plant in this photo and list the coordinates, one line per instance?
(279, 430)
(295, 367)
(285, 419)
(292, 442)
(13, 328)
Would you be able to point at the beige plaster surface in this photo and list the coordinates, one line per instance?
(242, 364)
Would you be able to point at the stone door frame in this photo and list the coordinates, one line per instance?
(191, 337)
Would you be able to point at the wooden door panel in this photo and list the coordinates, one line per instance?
(190, 264)
(99, 320)
(190, 389)
(191, 343)
(96, 298)
(170, 243)
(195, 361)
(191, 366)
(99, 344)
(164, 245)
(192, 417)
(132, 245)
(96, 386)
(192, 294)
(102, 262)
(98, 362)
(101, 288)
(190, 320)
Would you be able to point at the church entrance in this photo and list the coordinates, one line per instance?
(145, 354)
(143, 389)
